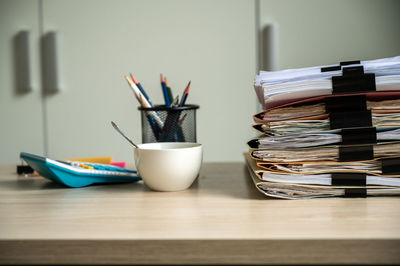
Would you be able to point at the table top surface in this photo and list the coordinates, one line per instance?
(222, 204)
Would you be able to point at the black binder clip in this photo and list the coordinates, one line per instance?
(350, 119)
(346, 103)
(354, 62)
(356, 153)
(24, 169)
(355, 192)
(349, 179)
(331, 68)
(336, 68)
(348, 111)
(390, 166)
(358, 136)
(353, 80)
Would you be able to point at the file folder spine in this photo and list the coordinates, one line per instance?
(254, 143)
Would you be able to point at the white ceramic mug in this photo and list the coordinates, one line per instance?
(168, 166)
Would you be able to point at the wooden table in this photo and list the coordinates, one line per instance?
(221, 219)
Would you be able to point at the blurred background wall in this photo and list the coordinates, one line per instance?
(218, 44)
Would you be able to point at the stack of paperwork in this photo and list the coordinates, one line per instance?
(328, 131)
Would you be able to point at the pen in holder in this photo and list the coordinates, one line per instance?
(169, 124)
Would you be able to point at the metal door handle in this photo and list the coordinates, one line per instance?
(50, 79)
(23, 82)
(270, 47)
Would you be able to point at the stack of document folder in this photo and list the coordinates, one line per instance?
(328, 131)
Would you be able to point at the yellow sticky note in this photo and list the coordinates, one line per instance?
(103, 160)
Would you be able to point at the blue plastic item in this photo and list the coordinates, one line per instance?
(72, 174)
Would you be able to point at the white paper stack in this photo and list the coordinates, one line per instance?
(279, 87)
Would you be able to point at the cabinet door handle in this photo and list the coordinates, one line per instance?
(270, 47)
(23, 82)
(49, 63)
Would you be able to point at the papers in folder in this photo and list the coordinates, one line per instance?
(280, 87)
(300, 116)
(330, 131)
(319, 154)
(315, 125)
(303, 140)
(314, 110)
(285, 190)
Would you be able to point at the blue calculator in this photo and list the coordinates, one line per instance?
(78, 174)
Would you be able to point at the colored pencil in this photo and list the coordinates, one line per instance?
(141, 89)
(185, 95)
(151, 116)
(181, 135)
(134, 88)
(176, 101)
(143, 102)
(170, 96)
(165, 91)
(180, 122)
(146, 104)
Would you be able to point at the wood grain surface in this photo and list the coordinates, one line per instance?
(221, 219)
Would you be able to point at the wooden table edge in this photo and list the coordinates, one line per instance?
(363, 251)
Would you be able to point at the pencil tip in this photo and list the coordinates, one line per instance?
(128, 79)
(188, 87)
(134, 79)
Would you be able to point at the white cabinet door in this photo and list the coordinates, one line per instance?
(314, 32)
(20, 95)
(211, 43)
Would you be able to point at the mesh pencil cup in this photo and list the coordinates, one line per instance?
(169, 124)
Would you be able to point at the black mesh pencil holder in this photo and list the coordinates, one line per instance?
(169, 124)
